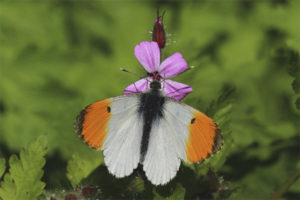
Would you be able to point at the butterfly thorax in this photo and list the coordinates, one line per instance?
(155, 85)
(151, 110)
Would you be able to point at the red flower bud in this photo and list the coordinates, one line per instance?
(158, 33)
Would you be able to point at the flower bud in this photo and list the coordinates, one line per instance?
(158, 33)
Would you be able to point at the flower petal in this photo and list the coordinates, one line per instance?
(139, 86)
(172, 66)
(175, 89)
(148, 54)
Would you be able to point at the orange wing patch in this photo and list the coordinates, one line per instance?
(92, 122)
(204, 138)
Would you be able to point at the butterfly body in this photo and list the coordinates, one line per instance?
(151, 110)
(148, 128)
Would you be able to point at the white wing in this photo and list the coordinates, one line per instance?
(121, 146)
(161, 161)
(169, 141)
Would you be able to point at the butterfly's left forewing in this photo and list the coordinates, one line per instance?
(92, 122)
(114, 126)
(182, 133)
(203, 136)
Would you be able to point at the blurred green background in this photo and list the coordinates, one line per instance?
(58, 56)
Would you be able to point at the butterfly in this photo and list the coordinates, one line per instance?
(148, 128)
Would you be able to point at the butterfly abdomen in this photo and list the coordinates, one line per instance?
(150, 109)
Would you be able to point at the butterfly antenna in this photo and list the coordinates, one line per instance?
(125, 70)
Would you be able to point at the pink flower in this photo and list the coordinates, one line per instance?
(148, 54)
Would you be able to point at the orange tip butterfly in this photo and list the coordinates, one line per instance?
(151, 129)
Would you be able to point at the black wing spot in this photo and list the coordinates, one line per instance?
(108, 109)
(193, 120)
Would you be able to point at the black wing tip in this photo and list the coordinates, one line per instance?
(78, 124)
(218, 141)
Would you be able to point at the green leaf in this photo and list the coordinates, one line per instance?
(178, 193)
(23, 181)
(296, 85)
(2, 166)
(80, 166)
(298, 103)
(226, 97)
(293, 62)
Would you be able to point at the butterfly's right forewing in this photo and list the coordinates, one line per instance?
(114, 126)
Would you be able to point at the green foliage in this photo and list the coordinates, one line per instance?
(59, 56)
(23, 181)
(177, 194)
(2, 166)
(80, 166)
